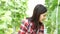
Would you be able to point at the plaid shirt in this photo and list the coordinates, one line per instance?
(29, 28)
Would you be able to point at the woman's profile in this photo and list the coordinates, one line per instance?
(34, 24)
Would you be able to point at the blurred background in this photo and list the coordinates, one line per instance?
(13, 11)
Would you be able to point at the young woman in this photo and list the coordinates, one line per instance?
(34, 24)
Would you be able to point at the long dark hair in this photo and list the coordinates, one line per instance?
(38, 10)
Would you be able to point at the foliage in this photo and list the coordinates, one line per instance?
(11, 13)
(51, 16)
(59, 18)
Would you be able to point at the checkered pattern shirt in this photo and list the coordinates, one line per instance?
(29, 28)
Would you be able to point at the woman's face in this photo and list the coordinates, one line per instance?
(42, 17)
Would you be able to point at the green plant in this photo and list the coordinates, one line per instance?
(59, 18)
(11, 14)
(51, 16)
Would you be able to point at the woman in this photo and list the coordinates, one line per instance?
(34, 24)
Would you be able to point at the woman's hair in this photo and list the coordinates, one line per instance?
(38, 10)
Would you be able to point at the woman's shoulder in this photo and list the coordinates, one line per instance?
(27, 22)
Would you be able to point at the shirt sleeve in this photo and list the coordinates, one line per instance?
(23, 27)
